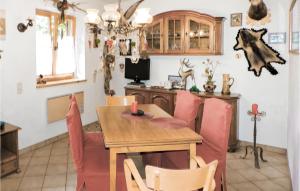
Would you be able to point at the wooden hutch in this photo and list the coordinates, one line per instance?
(185, 32)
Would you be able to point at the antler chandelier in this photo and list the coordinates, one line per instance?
(113, 19)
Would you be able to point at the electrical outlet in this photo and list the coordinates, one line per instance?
(19, 88)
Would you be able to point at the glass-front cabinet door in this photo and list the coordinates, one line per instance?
(154, 36)
(174, 30)
(199, 36)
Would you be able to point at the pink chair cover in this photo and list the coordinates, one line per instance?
(187, 106)
(215, 130)
(90, 157)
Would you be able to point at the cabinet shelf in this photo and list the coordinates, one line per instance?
(7, 155)
(210, 28)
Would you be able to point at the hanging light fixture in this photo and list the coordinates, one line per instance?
(110, 16)
(142, 17)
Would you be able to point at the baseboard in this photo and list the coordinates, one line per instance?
(265, 147)
(88, 127)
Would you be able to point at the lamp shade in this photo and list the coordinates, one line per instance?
(142, 16)
(111, 13)
(92, 16)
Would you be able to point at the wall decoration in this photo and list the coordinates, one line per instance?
(23, 27)
(236, 19)
(122, 67)
(125, 47)
(2, 25)
(277, 38)
(108, 64)
(209, 72)
(258, 13)
(63, 6)
(185, 71)
(294, 40)
(258, 54)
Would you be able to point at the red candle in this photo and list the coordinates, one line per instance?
(134, 107)
(254, 108)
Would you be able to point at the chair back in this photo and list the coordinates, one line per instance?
(187, 106)
(181, 180)
(76, 135)
(119, 100)
(215, 126)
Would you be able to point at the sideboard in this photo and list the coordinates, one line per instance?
(166, 99)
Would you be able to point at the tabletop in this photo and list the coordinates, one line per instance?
(121, 129)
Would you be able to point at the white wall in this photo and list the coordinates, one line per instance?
(270, 92)
(28, 110)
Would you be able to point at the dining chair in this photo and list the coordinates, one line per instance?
(119, 100)
(215, 128)
(186, 110)
(90, 157)
(201, 177)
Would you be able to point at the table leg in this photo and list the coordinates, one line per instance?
(112, 169)
(193, 163)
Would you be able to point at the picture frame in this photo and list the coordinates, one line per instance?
(176, 82)
(236, 19)
(277, 38)
(2, 25)
(294, 27)
(125, 47)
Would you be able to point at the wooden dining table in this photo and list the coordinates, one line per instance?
(124, 133)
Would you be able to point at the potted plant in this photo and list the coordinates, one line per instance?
(209, 72)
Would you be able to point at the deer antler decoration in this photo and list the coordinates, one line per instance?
(184, 74)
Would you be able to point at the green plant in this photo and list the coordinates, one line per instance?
(194, 88)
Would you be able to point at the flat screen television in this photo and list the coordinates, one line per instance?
(137, 71)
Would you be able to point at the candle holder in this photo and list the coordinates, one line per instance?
(257, 150)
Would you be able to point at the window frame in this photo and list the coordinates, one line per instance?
(54, 36)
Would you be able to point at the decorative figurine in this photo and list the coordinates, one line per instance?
(255, 117)
(227, 83)
(184, 74)
(209, 72)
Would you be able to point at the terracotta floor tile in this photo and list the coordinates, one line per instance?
(284, 182)
(42, 152)
(245, 186)
(55, 189)
(37, 170)
(230, 188)
(58, 159)
(267, 185)
(32, 182)
(56, 169)
(271, 172)
(237, 164)
(39, 161)
(234, 177)
(59, 151)
(252, 174)
(55, 181)
(10, 184)
(283, 169)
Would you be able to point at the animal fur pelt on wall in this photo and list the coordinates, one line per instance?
(258, 13)
(259, 54)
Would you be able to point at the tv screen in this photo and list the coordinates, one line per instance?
(137, 71)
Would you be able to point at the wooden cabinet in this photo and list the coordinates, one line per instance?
(154, 36)
(166, 99)
(9, 150)
(185, 32)
(163, 100)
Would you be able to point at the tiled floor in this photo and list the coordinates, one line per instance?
(51, 169)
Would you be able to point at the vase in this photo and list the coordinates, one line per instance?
(227, 83)
(209, 87)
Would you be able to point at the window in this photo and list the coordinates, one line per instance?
(55, 46)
